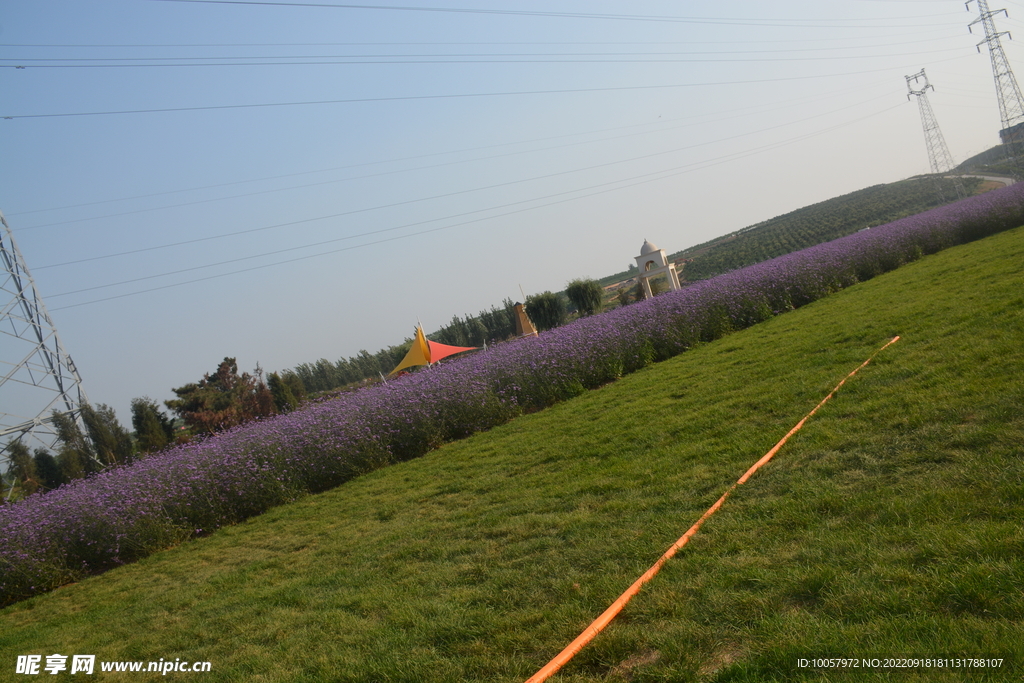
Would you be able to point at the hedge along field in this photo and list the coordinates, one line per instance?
(124, 514)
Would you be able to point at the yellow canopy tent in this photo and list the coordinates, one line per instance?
(425, 352)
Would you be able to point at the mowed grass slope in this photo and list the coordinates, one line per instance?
(891, 525)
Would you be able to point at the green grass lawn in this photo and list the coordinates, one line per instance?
(890, 526)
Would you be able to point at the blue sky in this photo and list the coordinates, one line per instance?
(194, 180)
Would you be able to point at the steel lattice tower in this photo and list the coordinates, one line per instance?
(939, 158)
(36, 375)
(1011, 103)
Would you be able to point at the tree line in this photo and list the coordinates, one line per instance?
(226, 398)
(220, 400)
(547, 310)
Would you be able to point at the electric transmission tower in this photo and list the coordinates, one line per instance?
(1011, 103)
(939, 157)
(37, 376)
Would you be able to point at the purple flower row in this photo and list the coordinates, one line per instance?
(121, 515)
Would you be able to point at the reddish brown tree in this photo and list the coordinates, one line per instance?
(223, 399)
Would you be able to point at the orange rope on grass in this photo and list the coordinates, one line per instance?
(602, 621)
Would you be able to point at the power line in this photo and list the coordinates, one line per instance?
(640, 179)
(718, 117)
(563, 15)
(489, 43)
(595, 58)
(830, 48)
(407, 98)
(449, 194)
(327, 182)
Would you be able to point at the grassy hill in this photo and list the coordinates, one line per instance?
(889, 526)
(817, 223)
(992, 161)
(809, 225)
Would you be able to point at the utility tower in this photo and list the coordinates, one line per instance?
(939, 157)
(1011, 103)
(36, 375)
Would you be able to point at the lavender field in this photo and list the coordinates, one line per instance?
(124, 514)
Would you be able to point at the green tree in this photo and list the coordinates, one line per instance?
(455, 333)
(154, 430)
(76, 456)
(298, 389)
(500, 322)
(284, 399)
(367, 365)
(546, 310)
(477, 332)
(638, 292)
(110, 443)
(586, 295)
(50, 475)
(22, 468)
(223, 400)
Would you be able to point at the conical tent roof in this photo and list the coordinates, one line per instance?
(419, 354)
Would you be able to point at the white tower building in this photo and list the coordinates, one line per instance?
(652, 262)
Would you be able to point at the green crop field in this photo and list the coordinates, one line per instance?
(890, 526)
(813, 224)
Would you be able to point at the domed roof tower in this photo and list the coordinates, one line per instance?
(648, 248)
(652, 262)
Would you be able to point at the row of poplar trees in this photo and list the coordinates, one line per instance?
(547, 311)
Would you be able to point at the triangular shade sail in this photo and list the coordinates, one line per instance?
(439, 351)
(419, 354)
(425, 352)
